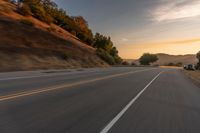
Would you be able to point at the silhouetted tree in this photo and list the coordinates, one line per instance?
(147, 59)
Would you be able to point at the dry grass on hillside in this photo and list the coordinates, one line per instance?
(42, 46)
(165, 59)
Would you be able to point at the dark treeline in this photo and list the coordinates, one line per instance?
(48, 12)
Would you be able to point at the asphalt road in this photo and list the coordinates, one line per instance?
(110, 100)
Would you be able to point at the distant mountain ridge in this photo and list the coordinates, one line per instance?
(165, 59)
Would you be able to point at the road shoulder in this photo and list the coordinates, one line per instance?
(194, 76)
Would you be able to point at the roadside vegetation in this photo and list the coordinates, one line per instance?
(195, 75)
(179, 64)
(106, 50)
(27, 22)
(198, 64)
(48, 12)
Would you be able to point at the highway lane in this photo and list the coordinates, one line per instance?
(169, 104)
(16, 82)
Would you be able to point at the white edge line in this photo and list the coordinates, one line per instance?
(32, 92)
(118, 116)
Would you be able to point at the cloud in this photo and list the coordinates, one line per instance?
(178, 9)
(124, 39)
(176, 42)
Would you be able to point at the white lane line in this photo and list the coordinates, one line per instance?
(116, 118)
(42, 90)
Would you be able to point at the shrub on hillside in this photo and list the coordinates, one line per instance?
(81, 36)
(51, 29)
(27, 22)
(118, 60)
(85, 38)
(104, 43)
(25, 10)
(105, 56)
(73, 33)
(39, 12)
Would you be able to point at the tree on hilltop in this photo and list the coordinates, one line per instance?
(147, 59)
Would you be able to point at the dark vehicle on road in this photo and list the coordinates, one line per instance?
(189, 67)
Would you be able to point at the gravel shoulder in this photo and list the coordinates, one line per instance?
(193, 75)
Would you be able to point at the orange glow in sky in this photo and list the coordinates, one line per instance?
(177, 47)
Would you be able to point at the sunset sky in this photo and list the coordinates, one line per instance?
(138, 26)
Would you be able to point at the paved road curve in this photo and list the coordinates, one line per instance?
(113, 100)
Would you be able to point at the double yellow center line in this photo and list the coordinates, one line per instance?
(53, 88)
